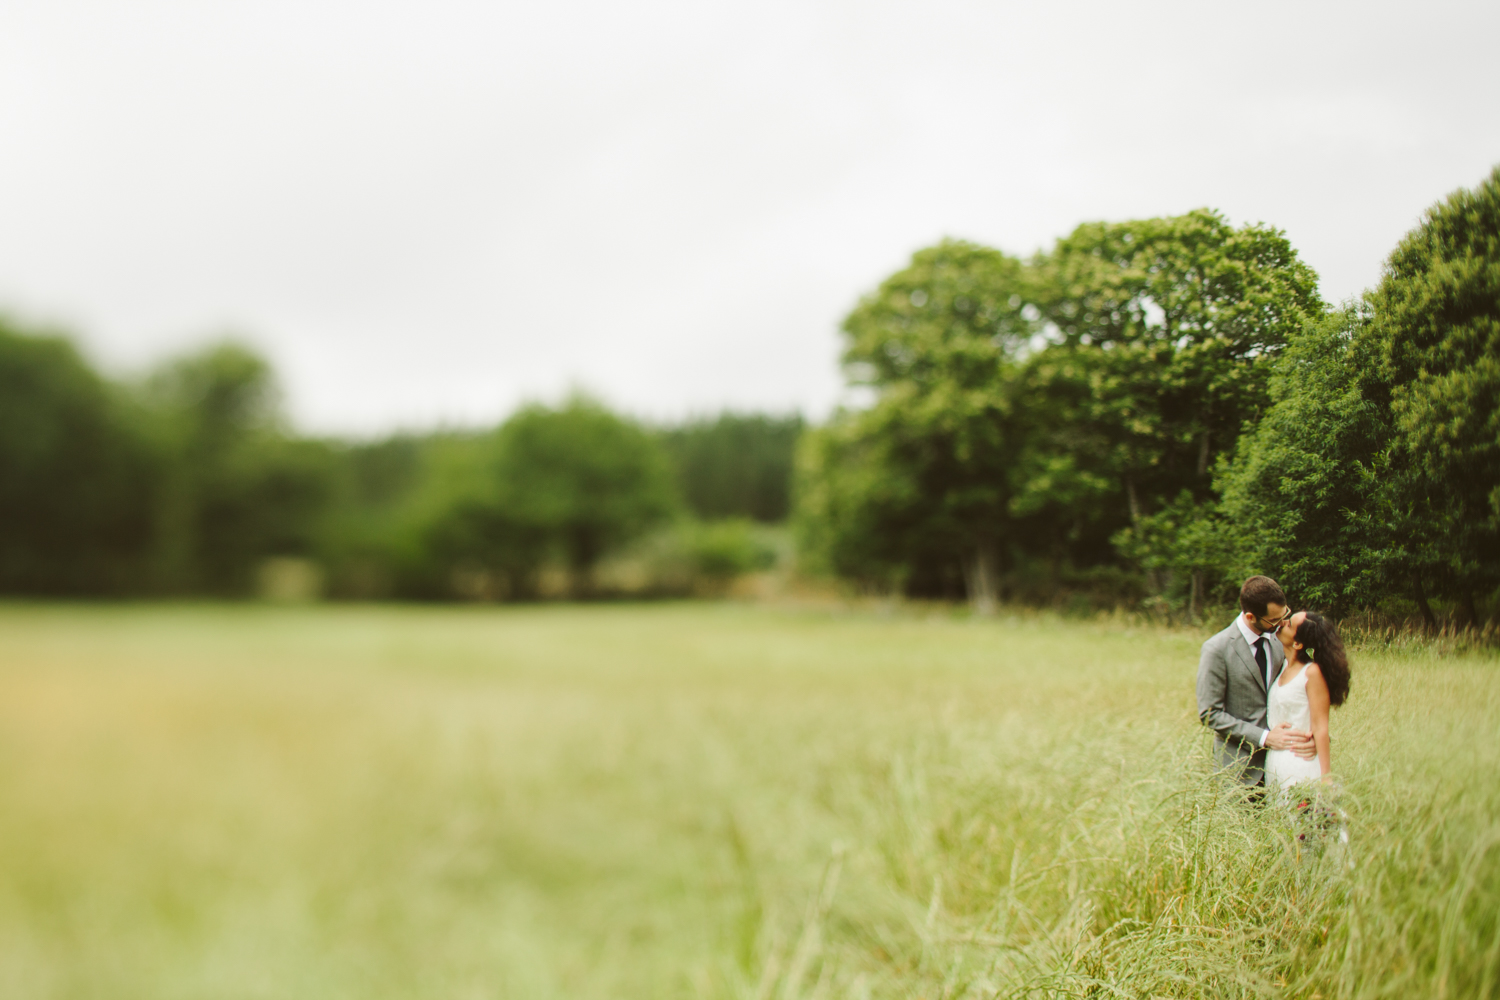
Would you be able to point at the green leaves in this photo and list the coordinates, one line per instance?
(1437, 316)
(1035, 411)
(583, 476)
(234, 486)
(75, 472)
(1381, 454)
(1300, 484)
(565, 484)
(1192, 279)
(906, 491)
(950, 318)
(735, 464)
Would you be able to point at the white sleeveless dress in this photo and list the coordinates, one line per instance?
(1288, 703)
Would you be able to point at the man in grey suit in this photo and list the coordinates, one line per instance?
(1235, 672)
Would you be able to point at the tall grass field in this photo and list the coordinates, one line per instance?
(711, 800)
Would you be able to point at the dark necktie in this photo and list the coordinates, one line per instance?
(1260, 659)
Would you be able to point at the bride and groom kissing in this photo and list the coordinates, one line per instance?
(1265, 686)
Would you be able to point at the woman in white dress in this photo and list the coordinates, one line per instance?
(1315, 677)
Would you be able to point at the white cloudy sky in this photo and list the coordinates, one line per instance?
(427, 212)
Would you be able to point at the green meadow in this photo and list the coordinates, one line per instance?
(710, 800)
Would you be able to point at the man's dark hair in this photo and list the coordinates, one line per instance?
(1258, 593)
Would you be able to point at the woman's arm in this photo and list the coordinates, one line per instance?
(1317, 703)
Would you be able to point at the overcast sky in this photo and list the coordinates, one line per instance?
(428, 212)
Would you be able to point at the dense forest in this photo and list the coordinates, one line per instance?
(1140, 416)
(190, 481)
(1155, 409)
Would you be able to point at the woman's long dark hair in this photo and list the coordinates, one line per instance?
(1321, 645)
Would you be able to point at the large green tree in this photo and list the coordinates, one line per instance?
(1302, 496)
(1374, 478)
(1437, 320)
(914, 490)
(584, 477)
(1027, 418)
(1164, 333)
(76, 474)
(238, 487)
(569, 483)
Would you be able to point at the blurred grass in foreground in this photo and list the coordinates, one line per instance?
(706, 800)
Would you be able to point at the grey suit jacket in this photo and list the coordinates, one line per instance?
(1232, 700)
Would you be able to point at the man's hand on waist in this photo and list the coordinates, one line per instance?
(1284, 737)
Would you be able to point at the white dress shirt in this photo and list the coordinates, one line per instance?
(1251, 638)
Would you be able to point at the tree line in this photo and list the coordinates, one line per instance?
(1144, 414)
(189, 480)
(1154, 409)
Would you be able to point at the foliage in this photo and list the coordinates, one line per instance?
(1380, 459)
(583, 478)
(854, 503)
(1027, 417)
(691, 558)
(916, 488)
(237, 488)
(722, 550)
(189, 481)
(76, 472)
(1304, 485)
(1164, 333)
(941, 323)
(735, 464)
(479, 515)
(1193, 550)
(1436, 317)
(409, 521)
(1369, 465)
(1155, 406)
(368, 530)
(183, 484)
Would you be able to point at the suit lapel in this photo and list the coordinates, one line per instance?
(1242, 650)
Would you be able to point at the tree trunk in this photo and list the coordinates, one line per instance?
(1470, 609)
(175, 559)
(980, 579)
(1421, 592)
